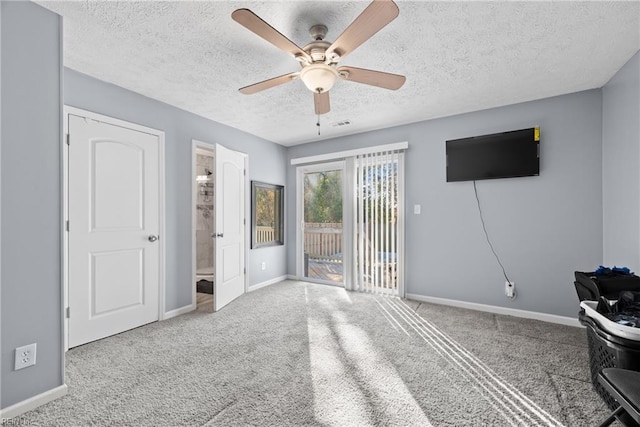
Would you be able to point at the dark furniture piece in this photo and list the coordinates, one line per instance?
(591, 287)
(608, 351)
(624, 386)
(614, 361)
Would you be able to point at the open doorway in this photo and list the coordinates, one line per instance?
(204, 199)
(219, 227)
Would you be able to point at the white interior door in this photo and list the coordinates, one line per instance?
(114, 252)
(229, 240)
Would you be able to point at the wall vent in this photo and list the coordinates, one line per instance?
(341, 123)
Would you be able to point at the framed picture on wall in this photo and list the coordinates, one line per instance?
(267, 214)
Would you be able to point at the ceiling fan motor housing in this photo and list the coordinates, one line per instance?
(317, 49)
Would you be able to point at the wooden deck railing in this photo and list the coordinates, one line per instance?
(265, 234)
(323, 240)
(323, 255)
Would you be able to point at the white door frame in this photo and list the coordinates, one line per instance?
(347, 245)
(195, 145)
(68, 110)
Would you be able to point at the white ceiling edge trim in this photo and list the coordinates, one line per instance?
(350, 153)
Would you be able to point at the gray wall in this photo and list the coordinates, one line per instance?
(621, 173)
(266, 163)
(543, 228)
(31, 199)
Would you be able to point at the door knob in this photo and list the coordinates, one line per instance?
(214, 235)
(153, 238)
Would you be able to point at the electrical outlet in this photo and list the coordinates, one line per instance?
(510, 289)
(264, 265)
(25, 356)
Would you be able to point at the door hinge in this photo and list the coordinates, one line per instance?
(68, 139)
(244, 172)
(67, 225)
(245, 270)
(68, 311)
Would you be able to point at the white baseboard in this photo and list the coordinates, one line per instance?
(178, 311)
(545, 317)
(32, 403)
(267, 283)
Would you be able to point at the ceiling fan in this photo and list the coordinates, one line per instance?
(319, 58)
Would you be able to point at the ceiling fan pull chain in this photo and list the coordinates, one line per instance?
(318, 124)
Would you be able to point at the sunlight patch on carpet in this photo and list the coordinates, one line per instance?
(392, 320)
(514, 406)
(353, 383)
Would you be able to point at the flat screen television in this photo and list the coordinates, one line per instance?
(500, 155)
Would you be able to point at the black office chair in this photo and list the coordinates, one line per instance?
(624, 386)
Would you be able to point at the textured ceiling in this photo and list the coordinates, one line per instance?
(457, 57)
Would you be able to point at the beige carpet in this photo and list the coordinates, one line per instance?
(301, 354)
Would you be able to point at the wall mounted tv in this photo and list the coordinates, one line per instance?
(500, 155)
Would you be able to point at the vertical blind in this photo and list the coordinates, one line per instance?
(376, 222)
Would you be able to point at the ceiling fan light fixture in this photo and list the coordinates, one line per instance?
(319, 58)
(318, 78)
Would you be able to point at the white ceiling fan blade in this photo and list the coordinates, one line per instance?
(257, 25)
(267, 84)
(375, 17)
(321, 102)
(371, 77)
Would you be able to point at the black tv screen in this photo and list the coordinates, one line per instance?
(500, 155)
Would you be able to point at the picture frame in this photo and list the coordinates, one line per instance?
(267, 214)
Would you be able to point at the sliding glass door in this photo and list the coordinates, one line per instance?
(321, 213)
(351, 228)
